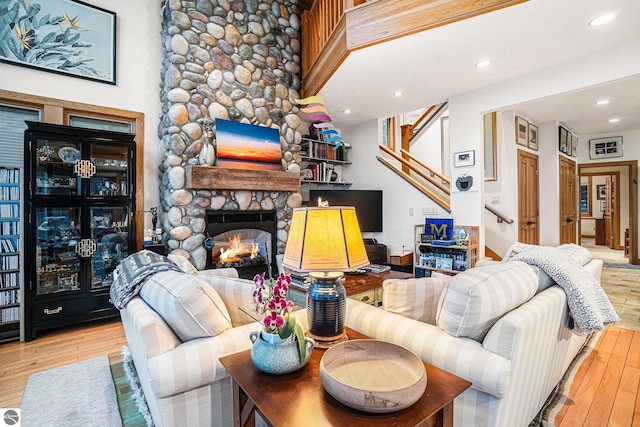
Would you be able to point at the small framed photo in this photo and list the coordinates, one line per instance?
(522, 131)
(601, 192)
(574, 145)
(533, 137)
(603, 148)
(464, 158)
(562, 138)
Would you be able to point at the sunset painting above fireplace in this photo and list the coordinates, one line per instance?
(247, 146)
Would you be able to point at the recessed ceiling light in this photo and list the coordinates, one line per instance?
(397, 93)
(602, 102)
(347, 111)
(483, 63)
(603, 19)
(614, 120)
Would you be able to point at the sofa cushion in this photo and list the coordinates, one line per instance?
(580, 254)
(476, 298)
(188, 304)
(414, 298)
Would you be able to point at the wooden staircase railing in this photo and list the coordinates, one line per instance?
(334, 28)
(440, 194)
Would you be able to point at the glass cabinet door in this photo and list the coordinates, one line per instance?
(110, 232)
(112, 168)
(55, 167)
(57, 263)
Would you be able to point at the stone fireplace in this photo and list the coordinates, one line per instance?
(234, 60)
(244, 240)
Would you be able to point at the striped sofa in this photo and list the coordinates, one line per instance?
(500, 326)
(176, 342)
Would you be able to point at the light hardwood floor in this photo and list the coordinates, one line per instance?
(606, 389)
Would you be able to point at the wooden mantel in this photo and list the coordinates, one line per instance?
(217, 178)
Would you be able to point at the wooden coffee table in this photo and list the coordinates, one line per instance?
(299, 399)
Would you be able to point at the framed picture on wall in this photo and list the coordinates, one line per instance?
(65, 37)
(533, 137)
(602, 148)
(464, 158)
(601, 192)
(562, 138)
(574, 145)
(522, 131)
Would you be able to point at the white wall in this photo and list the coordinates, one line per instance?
(403, 204)
(138, 61)
(466, 130)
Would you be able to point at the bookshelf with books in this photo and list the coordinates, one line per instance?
(323, 162)
(445, 256)
(9, 253)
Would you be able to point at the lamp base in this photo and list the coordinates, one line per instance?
(326, 304)
(327, 342)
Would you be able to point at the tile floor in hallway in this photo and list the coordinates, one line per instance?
(622, 285)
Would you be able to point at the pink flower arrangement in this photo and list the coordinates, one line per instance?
(271, 301)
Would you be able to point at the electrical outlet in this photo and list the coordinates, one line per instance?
(429, 210)
(410, 211)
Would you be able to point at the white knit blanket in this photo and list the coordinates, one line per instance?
(589, 308)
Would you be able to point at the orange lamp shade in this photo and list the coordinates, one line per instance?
(324, 239)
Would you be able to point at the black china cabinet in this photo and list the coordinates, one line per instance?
(78, 222)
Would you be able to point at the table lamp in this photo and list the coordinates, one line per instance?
(325, 242)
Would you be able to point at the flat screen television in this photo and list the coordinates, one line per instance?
(368, 204)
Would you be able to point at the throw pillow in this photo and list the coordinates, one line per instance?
(515, 249)
(184, 264)
(414, 298)
(237, 294)
(191, 307)
(476, 298)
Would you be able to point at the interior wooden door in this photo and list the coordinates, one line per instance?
(568, 201)
(609, 213)
(528, 198)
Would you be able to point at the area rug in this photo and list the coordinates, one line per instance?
(614, 265)
(560, 395)
(134, 409)
(79, 394)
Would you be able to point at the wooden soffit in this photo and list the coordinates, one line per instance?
(384, 20)
(217, 178)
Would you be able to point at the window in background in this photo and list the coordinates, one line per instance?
(12, 127)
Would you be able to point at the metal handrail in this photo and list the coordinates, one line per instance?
(500, 217)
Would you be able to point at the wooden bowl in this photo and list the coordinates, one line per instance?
(373, 376)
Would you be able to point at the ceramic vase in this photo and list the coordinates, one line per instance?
(278, 359)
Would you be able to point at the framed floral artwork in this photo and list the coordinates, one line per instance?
(60, 36)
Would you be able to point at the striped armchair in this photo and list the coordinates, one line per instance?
(182, 379)
(495, 326)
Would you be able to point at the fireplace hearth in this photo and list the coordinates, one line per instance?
(244, 240)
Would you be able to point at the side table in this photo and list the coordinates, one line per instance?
(299, 399)
(362, 287)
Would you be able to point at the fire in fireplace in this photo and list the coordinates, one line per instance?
(243, 240)
(240, 251)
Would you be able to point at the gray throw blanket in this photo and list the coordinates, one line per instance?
(589, 308)
(133, 271)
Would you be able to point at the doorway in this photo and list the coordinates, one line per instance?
(610, 189)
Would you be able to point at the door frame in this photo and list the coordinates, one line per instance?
(632, 166)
